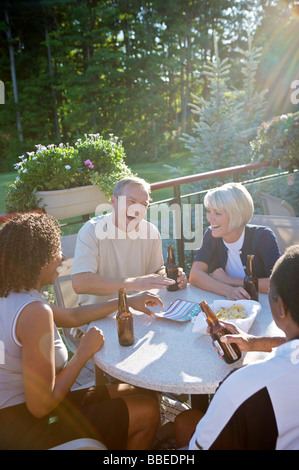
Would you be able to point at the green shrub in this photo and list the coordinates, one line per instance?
(93, 160)
(278, 141)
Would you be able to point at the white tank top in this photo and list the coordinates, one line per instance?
(234, 266)
(11, 374)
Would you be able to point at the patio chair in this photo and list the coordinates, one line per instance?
(81, 444)
(275, 206)
(66, 297)
(63, 290)
(286, 229)
(64, 294)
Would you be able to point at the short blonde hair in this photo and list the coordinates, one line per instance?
(235, 200)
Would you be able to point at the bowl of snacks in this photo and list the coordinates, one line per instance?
(241, 313)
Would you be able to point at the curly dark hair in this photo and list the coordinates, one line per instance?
(285, 280)
(27, 243)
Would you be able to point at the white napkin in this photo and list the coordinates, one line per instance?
(251, 306)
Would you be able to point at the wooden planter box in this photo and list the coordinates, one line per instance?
(73, 202)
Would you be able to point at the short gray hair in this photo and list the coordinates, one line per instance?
(118, 188)
(235, 200)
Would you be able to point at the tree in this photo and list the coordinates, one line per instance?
(13, 72)
(124, 67)
(228, 118)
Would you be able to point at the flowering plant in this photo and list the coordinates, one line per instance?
(93, 160)
(278, 141)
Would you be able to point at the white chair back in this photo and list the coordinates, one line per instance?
(275, 206)
(286, 229)
(64, 293)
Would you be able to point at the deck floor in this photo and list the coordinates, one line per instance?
(86, 376)
(170, 406)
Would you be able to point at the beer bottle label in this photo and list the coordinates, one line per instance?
(221, 352)
(218, 348)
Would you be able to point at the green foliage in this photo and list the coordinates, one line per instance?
(228, 118)
(253, 102)
(278, 141)
(50, 168)
(92, 160)
(20, 198)
(126, 67)
(106, 160)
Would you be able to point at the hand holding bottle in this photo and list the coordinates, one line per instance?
(228, 352)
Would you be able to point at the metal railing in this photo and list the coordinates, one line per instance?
(179, 198)
(176, 183)
(234, 170)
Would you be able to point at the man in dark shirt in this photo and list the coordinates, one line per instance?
(257, 407)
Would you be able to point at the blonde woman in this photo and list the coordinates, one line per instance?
(220, 263)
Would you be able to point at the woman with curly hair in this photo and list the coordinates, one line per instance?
(37, 408)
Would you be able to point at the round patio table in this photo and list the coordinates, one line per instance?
(167, 355)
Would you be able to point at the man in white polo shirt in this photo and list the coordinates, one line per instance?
(120, 249)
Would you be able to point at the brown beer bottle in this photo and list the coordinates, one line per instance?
(250, 280)
(124, 319)
(228, 352)
(172, 271)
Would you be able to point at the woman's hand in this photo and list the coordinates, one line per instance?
(220, 275)
(143, 300)
(91, 343)
(237, 293)
(233, 285)
(182, 280)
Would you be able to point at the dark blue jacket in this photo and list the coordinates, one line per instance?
(259, 241)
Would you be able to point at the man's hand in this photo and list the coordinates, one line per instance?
(143, 300)
(248, 342)
(243, 340)
(150, 281)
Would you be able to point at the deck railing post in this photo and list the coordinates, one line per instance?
(179, 227)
